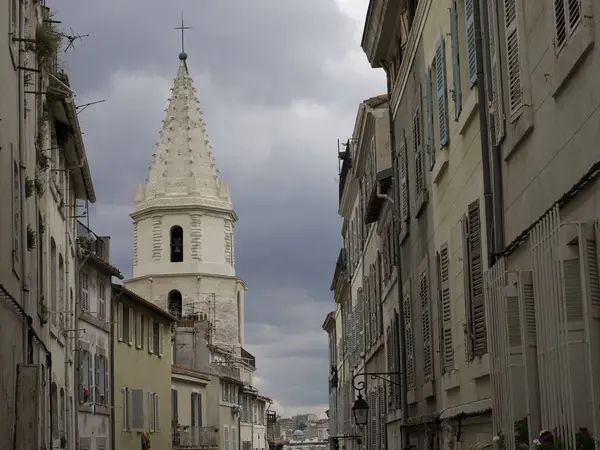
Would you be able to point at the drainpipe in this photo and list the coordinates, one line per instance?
(398, 249)
(497, 191)
(483, 132)
(22, 180)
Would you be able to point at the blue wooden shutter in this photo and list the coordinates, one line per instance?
(470, 39)
(456, 90)
(173, 404)
(442, 98)
(429, 106)
(199, 401)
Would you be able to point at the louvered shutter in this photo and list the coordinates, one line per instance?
(174, 406)
(156, 412)
(120, 322)
(497, 102)
(470, 40)
(151, 411)
(447, 349)
(476, 271)
(382, 428)
(467, 294)
(418, 149)
(373, 435)
(389, 347)
(456, 87)
(409, 343)
(193, 408)
(150, 336)
(430, 133)
(513, 57)
(97, 373)
(106, 382)
(90, 380)
(567, 16)
(396, 346)
(402, 163)
(124, 409)
(426, 325)
(131, 326)
(161, 339)
(367, 313)
(442, 96)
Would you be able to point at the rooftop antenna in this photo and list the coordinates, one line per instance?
(81, 108)
(72, 38)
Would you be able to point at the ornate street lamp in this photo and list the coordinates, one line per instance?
(361, 411)
(361, 407)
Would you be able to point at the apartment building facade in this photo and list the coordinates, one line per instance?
(141, 345)
(363, 279)
(542, 294)
(93, 344)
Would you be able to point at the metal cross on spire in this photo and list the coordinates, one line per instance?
(182, 28)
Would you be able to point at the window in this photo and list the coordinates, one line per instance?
(158, 343)
(196, 402)
(125, 323)
(61, 287)
(16, 210)
(567, 17)
(175, 407)
(150, 336)
(101, 297)
(426, 321)
(513, 57)
(408, 335)
(473, 272)
(176, 244)
(154, 408)
(120, 322)
(137, 409)
(233, 438)
(225, 438)
(101, 380)
(53, 282)
(54, 410)
(139, 330)
(85, 376)
(85, 295)
(470, 42)
(441, 94)
(175, 303)
(456, 80)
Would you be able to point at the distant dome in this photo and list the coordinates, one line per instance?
(298, 433)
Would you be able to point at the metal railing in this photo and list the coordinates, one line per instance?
(195, 437)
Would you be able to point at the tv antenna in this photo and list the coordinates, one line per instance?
(81, 108)
(72, 38)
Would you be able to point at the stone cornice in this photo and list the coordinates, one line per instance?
(191, 275)
(164, 205)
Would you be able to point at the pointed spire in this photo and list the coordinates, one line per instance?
(184, 165)
(139, 195)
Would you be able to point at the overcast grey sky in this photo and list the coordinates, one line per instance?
(278, 81)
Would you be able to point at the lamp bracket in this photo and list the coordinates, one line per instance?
(359, 384)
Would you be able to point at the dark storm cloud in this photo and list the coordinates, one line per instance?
(278, 86)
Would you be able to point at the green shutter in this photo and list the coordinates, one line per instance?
(470, 39)
(429, 106)
(442, 98)
(456, 91)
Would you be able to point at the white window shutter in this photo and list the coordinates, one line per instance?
(150, 336)
(456, 86)
(497, 102)
(408, 331)
(131, 325)
(470, 40)
(426, 325)
(151, 411)
(447, 348)
(429, 113)
(513, 57)
(120, 322)
(442, 96)
(161, 339)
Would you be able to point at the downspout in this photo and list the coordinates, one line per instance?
(67, 301)
(483, 132)
(22, 196)
(497, 191)
(398, 249)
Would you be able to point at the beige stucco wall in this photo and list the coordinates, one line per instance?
(185, 386)
(137, 369)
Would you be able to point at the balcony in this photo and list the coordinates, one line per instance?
(89, 240)
(341, 268)
(195, 437)
(375, 204)
(248, 358)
